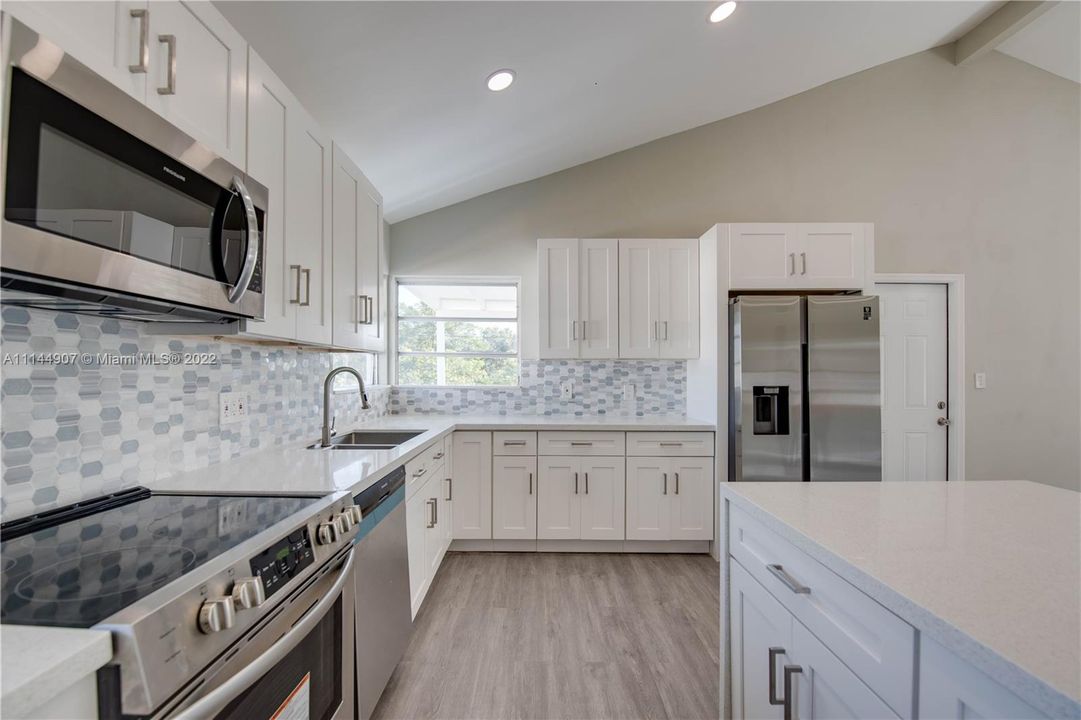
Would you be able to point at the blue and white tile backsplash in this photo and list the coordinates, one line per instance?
(72, 429)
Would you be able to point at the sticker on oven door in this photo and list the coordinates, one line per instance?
(296, 706)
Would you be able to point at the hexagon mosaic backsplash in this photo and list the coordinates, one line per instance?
(73, 427)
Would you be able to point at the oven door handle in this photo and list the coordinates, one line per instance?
(214, 701)
(251, 236)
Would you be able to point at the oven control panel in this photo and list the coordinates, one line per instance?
(283, 561)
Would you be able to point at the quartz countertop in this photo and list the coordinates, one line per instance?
(39, 663)
(990, 570)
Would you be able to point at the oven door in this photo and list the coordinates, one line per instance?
(92, 202)
(296, 663)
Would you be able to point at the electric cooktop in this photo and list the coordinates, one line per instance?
(78, 565)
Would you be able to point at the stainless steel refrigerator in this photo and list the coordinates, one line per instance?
(804, 389)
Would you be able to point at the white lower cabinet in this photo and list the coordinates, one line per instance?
(472, 485)
(669, 498)
(428, 519)
(581, 498)
(514, 498)
(951, 689)
(416, 522)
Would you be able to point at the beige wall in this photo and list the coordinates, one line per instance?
(972, 170)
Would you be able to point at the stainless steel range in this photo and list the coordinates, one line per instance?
(220, 606)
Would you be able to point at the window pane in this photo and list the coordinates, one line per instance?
(364, 362)
(458, 301)
(481, 371)
(416, 370)
(457, 336)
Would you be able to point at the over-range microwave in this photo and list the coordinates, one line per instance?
(110, 210)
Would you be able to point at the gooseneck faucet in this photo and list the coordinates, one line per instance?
(327, 385)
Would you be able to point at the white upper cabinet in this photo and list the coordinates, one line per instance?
(784, 256)
(197, 75)
(558, 275)
(356, 228)
(107, 37)
(182, 59)
(658, 298)
(579, 298)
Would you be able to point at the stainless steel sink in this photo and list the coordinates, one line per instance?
(370, 439)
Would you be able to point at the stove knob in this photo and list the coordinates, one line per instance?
(345, 523)
(248, 593)
(216, 614)
(354, 514)
(327, 533)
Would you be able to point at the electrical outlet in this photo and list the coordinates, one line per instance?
(981, 380)
(232, 515)
(232, 407)
(566, 389)
(629, 397)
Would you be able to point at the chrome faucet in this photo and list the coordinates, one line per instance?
(328, 426)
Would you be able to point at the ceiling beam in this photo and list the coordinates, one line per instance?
(998, 26)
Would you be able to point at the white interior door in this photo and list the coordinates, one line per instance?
(914, 388)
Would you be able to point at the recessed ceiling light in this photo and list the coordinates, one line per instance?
(500, 80)
(722, 11)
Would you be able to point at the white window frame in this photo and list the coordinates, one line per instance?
(397, 280)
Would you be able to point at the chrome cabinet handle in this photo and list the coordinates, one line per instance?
(581, 443)
(677, 483)
(530, 483)
(665, 492)
(671, 444)
(664, 323)
(143, 16)
(420, 472)
(170, 78)
(585, 336)
(514, 443)
(371, 312)
(575, 483)
(307, 287)
(450, 490)
(435, 511)
(574, 329)
(773, 653)
(789, 582)
(587, 483)
(655, 330)
(791, 263)
(357, 312)
(295, 300)
(431, 503)
(803, 263)
(437, 456)
(789, 671)
(251, 238)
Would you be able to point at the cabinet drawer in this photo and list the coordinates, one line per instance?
(667, 444)
(582, 443)
(873, 642)
(420, 468)
(514, 443)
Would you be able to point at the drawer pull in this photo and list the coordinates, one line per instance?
(575, 483)
(420, 472)
(665, 491)
(583, 443)
(789, 671)
(790, 582)
(671, 444)
(530, 483)
(514, 443)
(437, 456)
(773, 653)
(450, 489)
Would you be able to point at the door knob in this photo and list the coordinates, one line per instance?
(943, 421)
(941, 404)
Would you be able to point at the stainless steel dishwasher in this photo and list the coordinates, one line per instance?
(383, 620)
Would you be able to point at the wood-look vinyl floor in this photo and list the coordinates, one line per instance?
(538, 636)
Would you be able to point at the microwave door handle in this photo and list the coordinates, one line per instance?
(214, 701)
(251, 236)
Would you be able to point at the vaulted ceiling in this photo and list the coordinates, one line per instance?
(401, 85)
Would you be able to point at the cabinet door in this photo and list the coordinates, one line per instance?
(370, 233)
(762, 255)
(558, 509)
(433, 540)
(831, 255)
(271, 109)
(825, 688)
(648, 484)
(558, 278)
(347, 307)
(952, 689)
(416, 522)
(307, 218)
(198, 80)
(758, 623)
(691, 498)
(598, 298)
(639, 323)
(104, 36)
(603, 498)
(514, 498)
(678, 311)
(446, 480)
(472, 487)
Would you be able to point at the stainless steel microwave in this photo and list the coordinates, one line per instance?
(109, 209)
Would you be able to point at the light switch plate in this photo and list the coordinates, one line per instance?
(566, 390)
(232, 407)
(981, 380)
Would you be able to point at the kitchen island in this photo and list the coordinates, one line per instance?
(909, 599)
